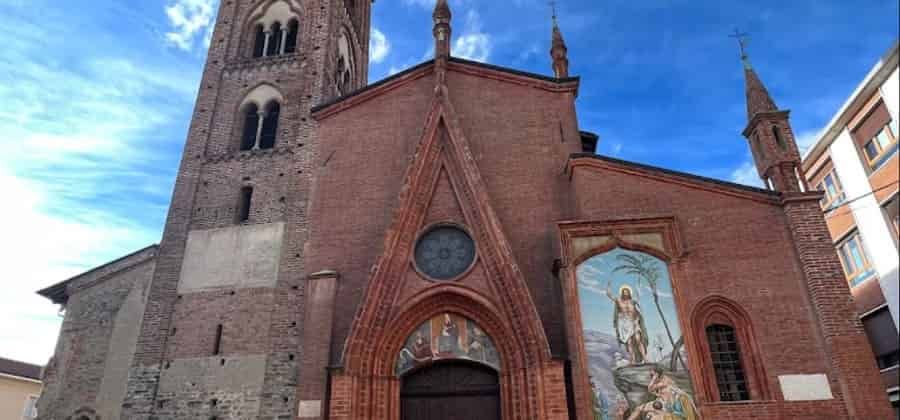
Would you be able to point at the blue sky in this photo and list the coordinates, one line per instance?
(96, 96)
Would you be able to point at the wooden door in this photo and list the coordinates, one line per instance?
(451, 391)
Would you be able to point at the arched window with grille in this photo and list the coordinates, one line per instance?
(726, 361)
(729, 361)
(251, 127)
(269, 131)
(259, 42)
(293, 31)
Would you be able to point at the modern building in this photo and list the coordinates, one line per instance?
(20, 387)
(445, 244)
(855, 163)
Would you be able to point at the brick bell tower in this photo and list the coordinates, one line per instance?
(770, 135)
(221, 336)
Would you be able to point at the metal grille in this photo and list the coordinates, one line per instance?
(726, 357)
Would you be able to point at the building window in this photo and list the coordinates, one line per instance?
(726, 358)
(879, 146)
(854, 259)
(246, 200)
(882, 335)
(834, 192)
(30, 411)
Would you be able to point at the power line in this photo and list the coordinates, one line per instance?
(846, 203)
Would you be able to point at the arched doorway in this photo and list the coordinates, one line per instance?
(451, 390)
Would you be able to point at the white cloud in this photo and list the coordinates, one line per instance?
(806, 139)
(379, 46)
(189, 20)
(747, 174)
(472, 44)
(85, 170)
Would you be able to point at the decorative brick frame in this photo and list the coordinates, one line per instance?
(532, 384)
(671, 253)
(720, 310)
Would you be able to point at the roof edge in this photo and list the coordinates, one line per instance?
(687, 176)
(59, 294)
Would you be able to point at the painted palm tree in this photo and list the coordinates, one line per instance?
(645, 268)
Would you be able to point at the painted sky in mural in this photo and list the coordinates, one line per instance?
(447, 336)
(635, 350)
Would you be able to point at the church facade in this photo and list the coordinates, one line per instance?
(445, 244)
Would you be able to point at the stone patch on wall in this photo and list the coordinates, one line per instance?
(238, 256)
(122, 344)
(207, 386)
(310, 409)
(805, 387)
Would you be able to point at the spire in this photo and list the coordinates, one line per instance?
(558, 50)
(758, 98)
(442, 30)
(769, 133)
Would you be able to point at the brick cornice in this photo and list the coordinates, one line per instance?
(781, 115)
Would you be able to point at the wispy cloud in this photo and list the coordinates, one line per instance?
(379, 46)
(472, 43)
(87, 168)
(190, 20)
(747, 174)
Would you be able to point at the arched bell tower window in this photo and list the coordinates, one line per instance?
(290, 43)
(779, 139)
(259, 42)
(258, 118)
(269, 131)
(275, 29)
(251, 126)
(275, 38)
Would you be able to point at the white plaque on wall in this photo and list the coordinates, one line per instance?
(310, 409)
(805, 387)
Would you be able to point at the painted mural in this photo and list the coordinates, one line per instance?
(635, 349)
(447, 336)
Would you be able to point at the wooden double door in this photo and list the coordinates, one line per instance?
(451, 391)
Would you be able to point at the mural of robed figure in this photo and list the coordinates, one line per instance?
(629, 323)
(635, 351)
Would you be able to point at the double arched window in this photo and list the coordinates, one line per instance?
(276, 39)
(260, 125)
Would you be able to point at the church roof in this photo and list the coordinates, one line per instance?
(684, 175)
(420, 66)
(59, 292)
(20, 369)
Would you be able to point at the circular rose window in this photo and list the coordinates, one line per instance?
(444, 253)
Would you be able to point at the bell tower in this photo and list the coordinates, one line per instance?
(769, 133)
(222, 332)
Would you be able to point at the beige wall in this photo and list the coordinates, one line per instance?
(13, 394)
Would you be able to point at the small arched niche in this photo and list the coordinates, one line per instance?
(447, 337)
